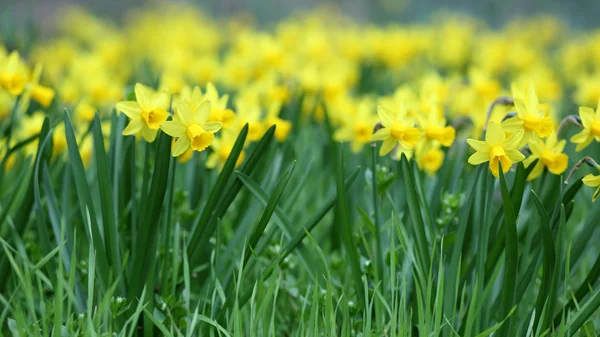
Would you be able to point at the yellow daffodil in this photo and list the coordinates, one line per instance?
(14, 74)
(191, 128)
(435, 129)
(282, 127)
(397, 130)
(591, 127)
(532, 117)
(357, 127)
(593, 181)
(146, 113)
(430, 160)
(549, 154)
(497, 148)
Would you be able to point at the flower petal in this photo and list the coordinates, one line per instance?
(386, 116)
(587, 116)
(131, 109)
(478, 145)
(512, 124)
(494, 134)
(591, 180)
(200, 116)
(387, 146)
(479, 157)
(181, 145)
(514, 140)
(162, 100)
(381, 134)
(149, 134)
(134, 126)
(515, 155)
(144, 96)
(212, 127)
(173, 129)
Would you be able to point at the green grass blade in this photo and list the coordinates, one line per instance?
(344, 227)
(215, 194)
(148, 226)
(86, 204)
(107, 205)
(508, 293)
(548, 264)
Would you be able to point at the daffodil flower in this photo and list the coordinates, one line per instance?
(397, 130)
(532, 117)
(282, 127)
(14, 74)
(357, 126)
(591, 127)
(191, 128)
(434, 128)
(549, 154)
(593, 181)
(497, 148)
(146, 113)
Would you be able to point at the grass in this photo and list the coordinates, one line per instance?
(274, 267)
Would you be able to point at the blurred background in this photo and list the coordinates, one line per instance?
(577, 13)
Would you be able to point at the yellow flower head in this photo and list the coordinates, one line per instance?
(549, 154)
(282, 127)
(191, 128)
(146, 113)
(430, 160)
(591, 127)
(397, 130)
(497, 148)
(532, 117)
(357, 126)
(593, 181)
(14, 74)
(435, 129)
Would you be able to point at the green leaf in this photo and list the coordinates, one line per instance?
(414, 209)
(197, 235)
(549, 261)
(344, 227)
(144, 255)
(107, 205)
(511, 260)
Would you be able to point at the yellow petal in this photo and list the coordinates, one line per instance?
(131, 109)
(494, 134)
(515, 156)
(173, 129)
(381, 134)
(162, 100)
(587, 116)
(148, 134)
(591, 180)
(212, 127)
(479, 157)
(144, 95)
(385, 116)
(513, 141)
(596, 194)
(134, 126)
(387, 146)
(537, 171)
(479, 145)
(200, 116)
(512, 124)
(181, 145)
